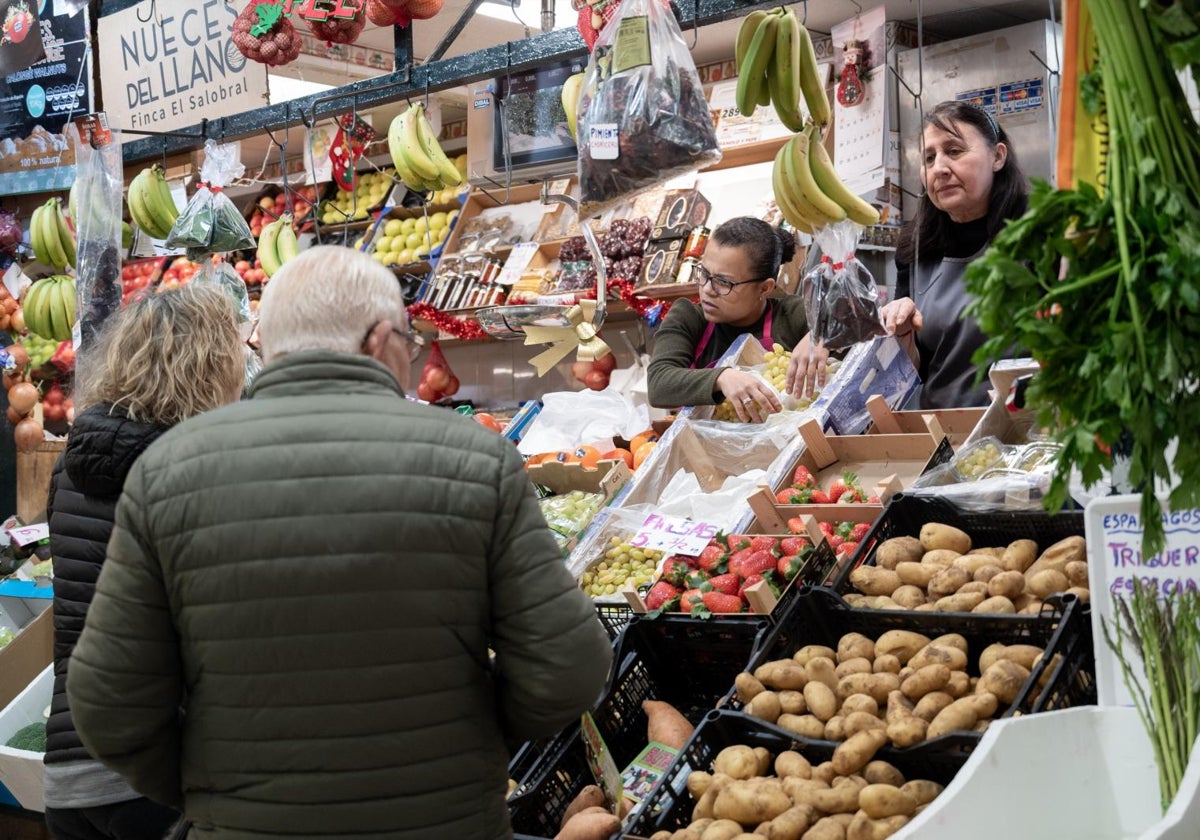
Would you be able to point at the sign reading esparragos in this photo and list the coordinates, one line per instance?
(180, 66)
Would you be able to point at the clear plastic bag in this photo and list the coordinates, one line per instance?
(841, 299)
(643, 117)
(222, 275)
(211, 224)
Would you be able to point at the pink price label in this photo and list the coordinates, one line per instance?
(673, 535)
(29, 534)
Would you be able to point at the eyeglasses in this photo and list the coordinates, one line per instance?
(721, 285)
(414, 341)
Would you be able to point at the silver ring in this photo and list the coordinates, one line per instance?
(746, 400)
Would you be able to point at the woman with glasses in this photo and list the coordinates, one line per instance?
(737, 275)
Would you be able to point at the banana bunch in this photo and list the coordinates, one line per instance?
(417, 155)
(277, 244)
(808, 190)
(73, 213)
(150, 203)
(52, 240)
(777, 63)
(49, 307)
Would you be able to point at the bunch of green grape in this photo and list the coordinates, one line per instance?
(621, 564)
(570, 513)
(776, 365)
(774, 370)
(40, 349)
(976, 460)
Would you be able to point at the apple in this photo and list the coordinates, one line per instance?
(596, 380)
(580, 370)
(606, 363)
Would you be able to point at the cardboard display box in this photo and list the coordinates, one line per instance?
(998, 420)
(957, 423)
(681, 210)
(608, 477)
(32, 650)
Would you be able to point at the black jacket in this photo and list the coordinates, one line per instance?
(84, 489)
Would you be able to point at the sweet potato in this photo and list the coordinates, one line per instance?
(935, 535)
(590, 824)
(666, 725)
(590, 797)
(898, 550)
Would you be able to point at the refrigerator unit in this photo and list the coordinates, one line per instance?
(1012, 73)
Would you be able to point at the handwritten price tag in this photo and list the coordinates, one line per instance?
(518, 260)
(604, 141)
(673, 535)
(29, 534)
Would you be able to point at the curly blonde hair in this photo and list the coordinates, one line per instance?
(168, 356)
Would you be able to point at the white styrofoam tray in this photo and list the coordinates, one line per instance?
(21, 770)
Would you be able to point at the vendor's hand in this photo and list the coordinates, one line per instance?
(806, 369)
(752, 398)
(901, 317)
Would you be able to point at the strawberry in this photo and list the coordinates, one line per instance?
(690, 599)
(834, 541)
(847, 548)
(792, 545)
(719, 602)
(763, 544)
(803, 478)
(796, 525)
(737, 559)
(662, 595)
(738, 541)
(840, 486)
(852, 496)
(789, 566)
(843, 529)
(859, 532)
(696, 579)
(757, 563)
(784, 497)
(819, 497)
(675, 570)
(746, 584)
(727, 583)
(826, 528)
(712, 560)
(873, 500)
(768, 576)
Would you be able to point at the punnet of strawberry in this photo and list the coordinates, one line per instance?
(804, 490)
(716, 580)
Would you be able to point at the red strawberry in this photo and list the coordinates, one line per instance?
(826, 528)
(727, 583)
(852, 496)
(843, 529)
(836, 490)
(662, 595)
(675, 570)
(738, 541)
(757, 563)
(696, 579)
(719, 602)
(737, 559)
(747, 583)
(712, 559)
(690, 599)
(873, 500)
(796, 525)
(859, 532)
(763, 544)
(847, 548)
(803, 478)
(784, 497)
(792, 545)
(789, 566)
(820, 497)
(834, 541)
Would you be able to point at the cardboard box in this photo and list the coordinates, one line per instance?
(21, 770)
(33, 478)
(998, 420)
(880, 366)
(957, 423)
(660, 262)
(32, 650)
(681, 210)
(608, 477)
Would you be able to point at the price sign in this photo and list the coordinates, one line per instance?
(604, 141)
(517, 262)
(29, 534)
(1115, 560)
(673, 535)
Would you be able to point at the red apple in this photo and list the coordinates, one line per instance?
(606, 363)
(596, 380)
(580, 370)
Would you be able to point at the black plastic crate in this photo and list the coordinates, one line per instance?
(614, 618)
(690, 663)
(820, 617)
(905, 514)
(669, 806)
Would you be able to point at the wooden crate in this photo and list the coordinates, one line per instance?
(957, 423)
(33, 478)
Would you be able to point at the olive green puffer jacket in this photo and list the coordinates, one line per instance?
(290, 634)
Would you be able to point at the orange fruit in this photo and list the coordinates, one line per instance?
(589, 456)
(489, 421)
(619, 455)
(643, 452)
(564, 457)
(534, 460)
(648, 436)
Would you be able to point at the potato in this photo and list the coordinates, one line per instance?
(865, 828)
(810, 652)
(1004, 679)
(791, 824)
(860, 703)
(686, 834)
(884, 800)
(590, 824)
(997, 604)
(985, 702)
(909, 597)
(917, 574)
(886, 664)
(962, 715)
(1024, 655)
(855, 646)
(821, 670)
(926, 679)
(736, 762)
(1034, 607)
(750, 803)
(935, 535)
(871, 580)
(903, 728)
(1024, 600)
(792, 763)
(1081, 592)
(924, 608)
(661, 835)
(853, 754)
(721, 830)
(942, 557)
(1045, 583)
(898, 550)
(791, 702)
(809, 726)
(856, 722)
(748, 687)
(994, 551)
(590, 797)
(959, 685)
(827, 828)
(765, 706)
(1076, 572)
(1019, 555)
(855, 599)
(1057, 556)
(802, 791)
(781, 673)
(877, 686)
(960, 603)
(886, 602)
(882, 773)
(984, 574)
(1007, 584)
(835, 728)
(853, 666)
(947, 581)
(973, 562)
(995, 652)
(922, 790)
(954, 640)
(698, 782)
(705, 804)
(973, 586)
(824, 772)
(764, 760)
(931, 654)
(929, 705)
(903, 644)
(822, 702)
(839, 799)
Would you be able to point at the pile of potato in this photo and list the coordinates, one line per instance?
(902, 688)
(941, 571)
(738, 800)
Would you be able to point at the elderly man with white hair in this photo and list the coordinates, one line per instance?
(290, 636)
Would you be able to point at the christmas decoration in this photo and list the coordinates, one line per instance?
(851, 90)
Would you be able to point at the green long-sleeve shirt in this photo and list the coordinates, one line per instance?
(671, 381)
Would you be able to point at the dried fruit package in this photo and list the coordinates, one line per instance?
(841, 300)
(211, 224)
(643, 118)
(263, 33)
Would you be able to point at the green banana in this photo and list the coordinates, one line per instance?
(60, 329)
(448, 173)
(752, 74)
(268, 248)
(54, 246)
(64, 231)
(286, 246)
(784, 80)
(746, 35)
(32, 308)
(164, 202)
(810, 201)
(69, 292)
(810, 79)
(35, 236)
(414, 152)
(783, 197)
(827, 180)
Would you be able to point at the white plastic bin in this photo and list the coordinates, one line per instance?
(21, 770)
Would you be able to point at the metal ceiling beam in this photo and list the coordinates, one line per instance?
(510, 57)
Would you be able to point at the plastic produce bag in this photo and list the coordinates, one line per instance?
(841, 300)
(222, 275)
(643, 118)
(210, 224)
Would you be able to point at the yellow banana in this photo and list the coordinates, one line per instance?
(805, 189)
(399, 158)
(286, 246)
(142, 209)
(54, 246)
(746, 35)
(414, 152)
(58, 311)
(810, 79)
(827, 180)
(69, 303)
(784, 78)
(268, 247)
(448, 173)
(783, 197)
(35, 236)
(31, 306)
(164, 202)
(752, 73)
(64, 232)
